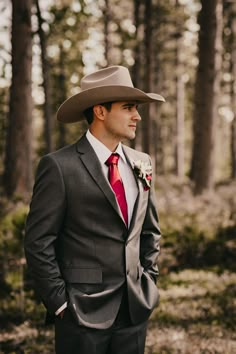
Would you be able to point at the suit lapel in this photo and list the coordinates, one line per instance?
(130, 158)
(93, 166)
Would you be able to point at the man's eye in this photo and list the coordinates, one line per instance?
(131, 108)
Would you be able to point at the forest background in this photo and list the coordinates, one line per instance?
(182, 49)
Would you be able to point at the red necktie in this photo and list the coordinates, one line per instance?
(117, 184)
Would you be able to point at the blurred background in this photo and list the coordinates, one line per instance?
(186, 51)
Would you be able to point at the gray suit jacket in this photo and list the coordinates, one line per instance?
(77, 245)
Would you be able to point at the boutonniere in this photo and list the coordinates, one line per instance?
(143, 171)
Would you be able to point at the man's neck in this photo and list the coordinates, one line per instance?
(111, 144)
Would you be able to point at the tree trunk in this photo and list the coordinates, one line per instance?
(179, 148)
(5, 288)
(106, 13)
(146, 125)
(233, 95)
(47, 106)
(206, 94)
(18, 160)
(180, 87)
(62, 97)
(136, 67)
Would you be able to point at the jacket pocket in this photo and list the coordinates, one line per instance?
(82, 275)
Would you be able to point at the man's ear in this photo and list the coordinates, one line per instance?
(99, 111)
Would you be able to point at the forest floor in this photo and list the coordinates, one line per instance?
(197, 283)
(196, 315)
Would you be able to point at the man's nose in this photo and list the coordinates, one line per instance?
(136, 115)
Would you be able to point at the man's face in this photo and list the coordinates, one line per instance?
(121, 121)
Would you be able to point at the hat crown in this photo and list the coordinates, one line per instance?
(111, 76)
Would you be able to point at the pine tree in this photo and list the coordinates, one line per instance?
(18, 164)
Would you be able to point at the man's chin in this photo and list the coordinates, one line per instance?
(131, 136)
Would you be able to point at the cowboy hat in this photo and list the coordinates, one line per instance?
(111, 84)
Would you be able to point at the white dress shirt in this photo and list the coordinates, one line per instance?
(126, 173)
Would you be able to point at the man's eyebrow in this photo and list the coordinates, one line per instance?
(129, 104)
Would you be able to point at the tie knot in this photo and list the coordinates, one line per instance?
(112, 160)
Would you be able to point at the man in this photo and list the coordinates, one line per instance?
(92, 233)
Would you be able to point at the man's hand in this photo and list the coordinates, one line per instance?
(61, 314)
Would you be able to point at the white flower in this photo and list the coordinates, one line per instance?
(143, 170)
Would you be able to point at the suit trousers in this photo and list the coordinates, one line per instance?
(121, 338)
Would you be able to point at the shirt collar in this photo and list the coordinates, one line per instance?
(102, 152)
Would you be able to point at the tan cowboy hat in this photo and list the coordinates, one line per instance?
(111, 84)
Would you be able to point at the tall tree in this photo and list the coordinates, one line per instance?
(180, 128)
(206, 94)
(18, 166)
(47, 106)
(148, 74)
(62, 94)
(3, 112)
(233, 95)
(136, 51)
(179, 98)
(106, 12)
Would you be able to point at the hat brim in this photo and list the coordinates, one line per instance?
(72, 109)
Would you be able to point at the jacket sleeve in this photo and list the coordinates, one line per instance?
(150, 237)
(43, 224)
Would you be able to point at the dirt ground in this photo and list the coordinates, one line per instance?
(197, 314)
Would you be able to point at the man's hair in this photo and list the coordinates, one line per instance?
(88, 113)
